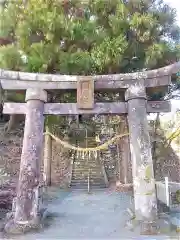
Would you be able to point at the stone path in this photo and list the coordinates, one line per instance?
(99, 215)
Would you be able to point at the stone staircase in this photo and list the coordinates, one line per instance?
(1, 127)
(87, 167)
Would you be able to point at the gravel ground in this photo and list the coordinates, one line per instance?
(79, 215)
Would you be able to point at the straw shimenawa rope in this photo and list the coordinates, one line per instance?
(98, 148)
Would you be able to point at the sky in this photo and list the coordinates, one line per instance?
(175, 4)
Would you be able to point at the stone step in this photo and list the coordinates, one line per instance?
(80, 173)
(86, 166)
(101, 185)
(81, 176)
(74, 176)
(86, 172)
(83, 170)
(99, 178)
(2, 125)
(86, 179)
(85, 185)
(84, 162)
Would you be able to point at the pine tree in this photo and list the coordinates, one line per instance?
(88, 37)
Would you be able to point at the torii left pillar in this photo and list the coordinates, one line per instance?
(27, 204)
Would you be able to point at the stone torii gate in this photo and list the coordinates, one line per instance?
(136, 106)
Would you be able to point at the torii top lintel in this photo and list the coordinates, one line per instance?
(12, 80)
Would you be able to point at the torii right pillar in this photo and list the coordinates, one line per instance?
(142, 164)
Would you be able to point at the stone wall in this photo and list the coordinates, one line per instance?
(61, 166)
(10, 154)
(10, 151)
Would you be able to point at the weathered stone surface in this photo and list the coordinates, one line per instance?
(27, 193)
(100, 108)
(36, 94)
(142, 164)
(22, 80)
(9, 74)
(27, 201)
(168, 70)
(136, 91)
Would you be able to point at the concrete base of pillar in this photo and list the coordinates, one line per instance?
(13, 228)
(161, 226)
(149, 228)
(142, 228)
